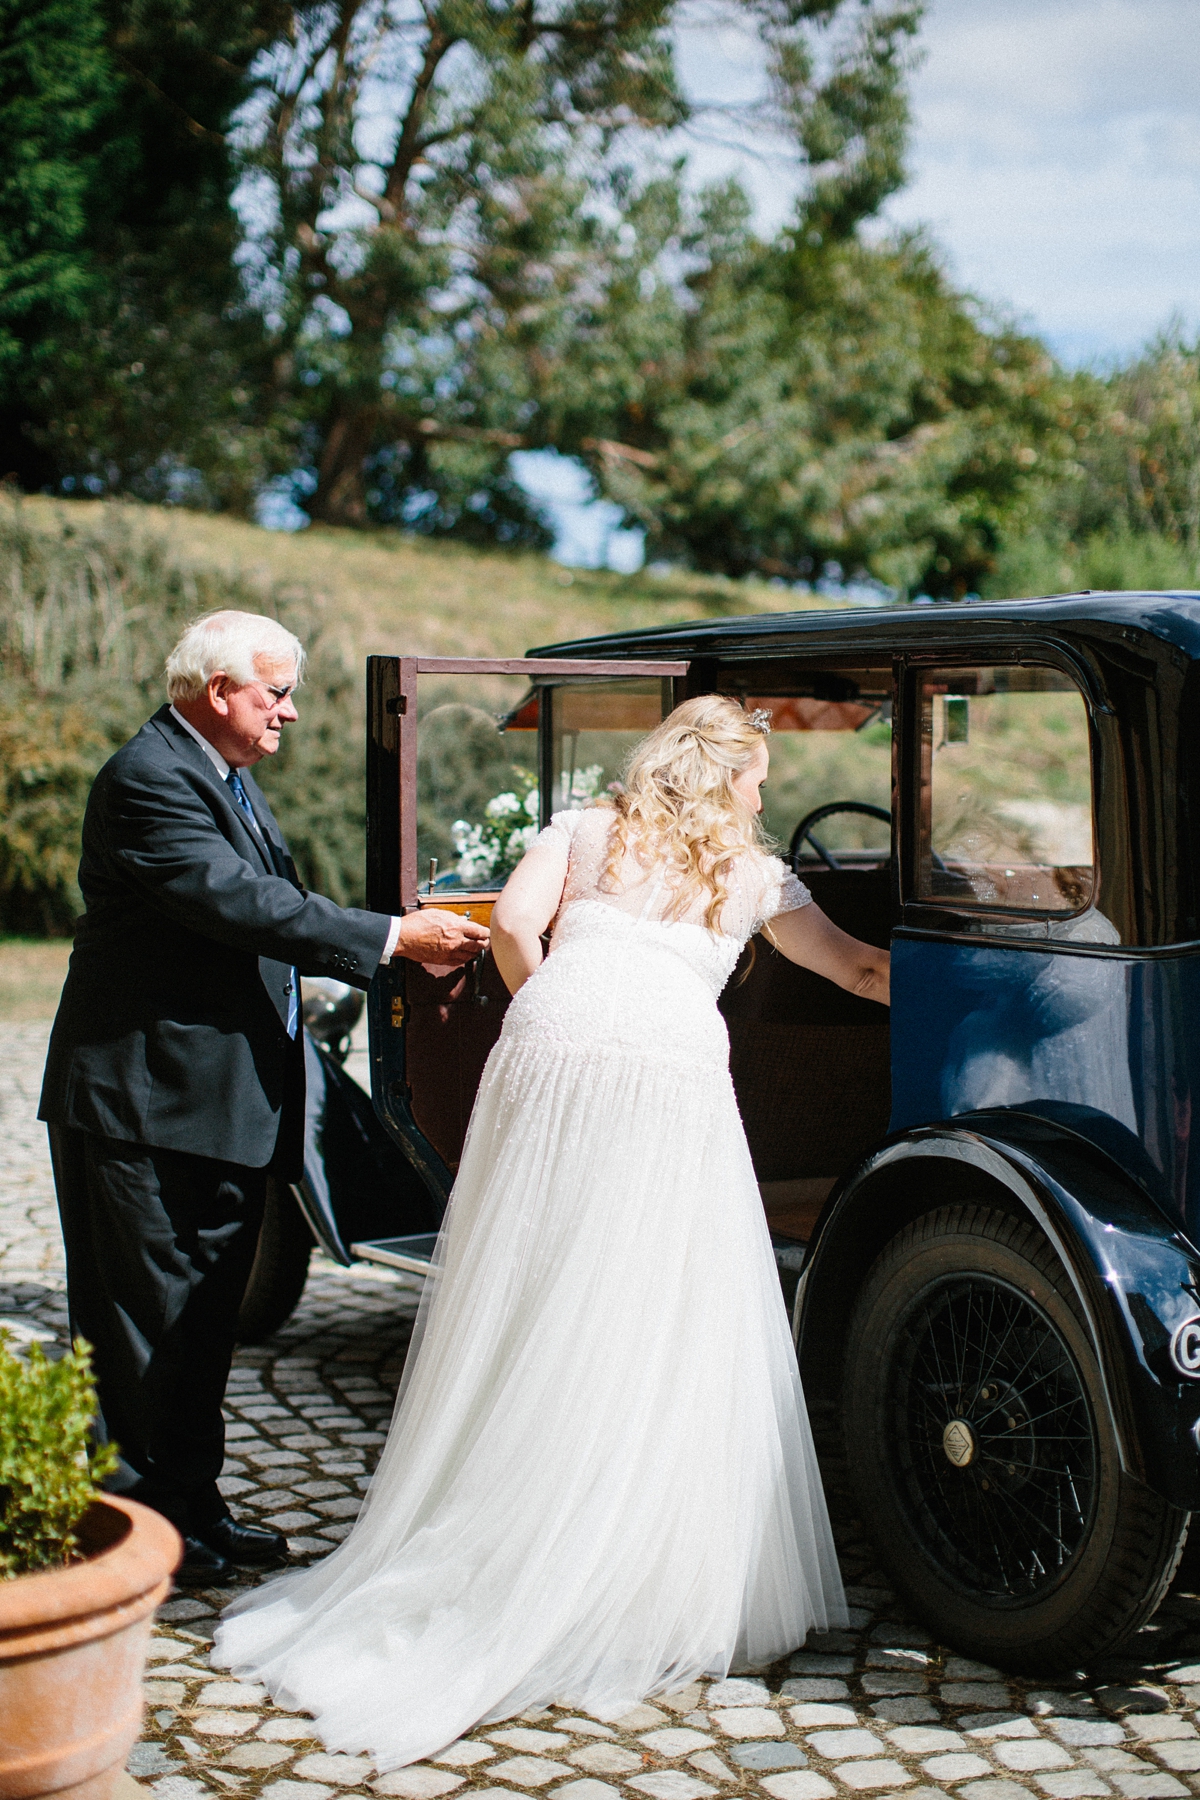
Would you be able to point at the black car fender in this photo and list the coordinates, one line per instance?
(1134, 1271)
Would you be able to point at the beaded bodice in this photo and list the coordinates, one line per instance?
(638, 904)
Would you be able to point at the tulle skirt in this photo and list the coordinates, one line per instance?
(599, 1482)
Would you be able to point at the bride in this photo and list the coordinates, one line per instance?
(599, 1481)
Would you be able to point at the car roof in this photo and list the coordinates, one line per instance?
(1173, 618)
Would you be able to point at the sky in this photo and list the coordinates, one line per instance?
(1056, 157)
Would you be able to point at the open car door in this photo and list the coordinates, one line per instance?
(466, 760)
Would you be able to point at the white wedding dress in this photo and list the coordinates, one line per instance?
(599, 1482)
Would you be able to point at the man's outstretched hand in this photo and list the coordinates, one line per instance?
(444, 939)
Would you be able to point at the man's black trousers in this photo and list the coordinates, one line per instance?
(159, 1248)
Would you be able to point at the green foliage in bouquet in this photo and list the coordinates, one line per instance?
(50, 1469)
(491, 851)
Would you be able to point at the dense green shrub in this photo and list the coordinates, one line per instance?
(49, 753)
(86, 620)
(1050, 562)
(50, 1470)
(1125, 510)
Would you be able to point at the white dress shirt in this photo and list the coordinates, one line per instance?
(213, 754)
(222, 767)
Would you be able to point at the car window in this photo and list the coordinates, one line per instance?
(1006, 813)
(479, 763)
(594, 728)
(477, 781)
(830, 753)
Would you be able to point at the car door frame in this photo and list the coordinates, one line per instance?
(393, 878)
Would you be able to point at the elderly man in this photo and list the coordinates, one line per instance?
(174, 1084)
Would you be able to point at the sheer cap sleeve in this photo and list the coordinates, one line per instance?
(560, 832)
(785, 891)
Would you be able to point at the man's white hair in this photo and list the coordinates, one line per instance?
(229, 643)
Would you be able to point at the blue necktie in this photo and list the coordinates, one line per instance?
(237, 788)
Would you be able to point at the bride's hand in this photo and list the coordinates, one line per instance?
(809, 937)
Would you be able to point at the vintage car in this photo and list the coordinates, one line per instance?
(988, 1197)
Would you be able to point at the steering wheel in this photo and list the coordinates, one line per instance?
(805, 828)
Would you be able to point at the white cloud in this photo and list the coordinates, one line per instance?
(1055, 156)
(1057, 159)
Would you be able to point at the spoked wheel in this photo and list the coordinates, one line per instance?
(982, 1453)
(997, 1441)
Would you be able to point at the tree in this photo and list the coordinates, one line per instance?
(857, 412)
(445, 216)
(132, 348)
(1122, 509)
(1138, 437)
(56, 79)
(387, 250)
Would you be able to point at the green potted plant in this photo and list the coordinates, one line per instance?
(81, 1573)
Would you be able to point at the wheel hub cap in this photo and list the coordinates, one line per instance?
(958, 1441)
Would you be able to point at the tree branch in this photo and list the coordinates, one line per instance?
(288, 103)
(408, 145)
(338, 97)
(434, 431)
(186, 119)
(611, 451)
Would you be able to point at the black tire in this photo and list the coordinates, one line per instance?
(1017, 1538)
(280, 1268)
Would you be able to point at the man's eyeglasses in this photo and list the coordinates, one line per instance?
(278, 694)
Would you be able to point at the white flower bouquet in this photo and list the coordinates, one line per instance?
(490, 851)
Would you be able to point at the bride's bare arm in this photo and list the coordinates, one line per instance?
(809, 937)
(525, 908)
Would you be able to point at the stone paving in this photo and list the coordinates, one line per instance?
(877, 1709)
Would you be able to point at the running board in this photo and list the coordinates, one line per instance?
(413, 1254)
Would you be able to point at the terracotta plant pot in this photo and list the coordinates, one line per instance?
(72, 1650)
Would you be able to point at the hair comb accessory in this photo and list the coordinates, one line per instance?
(760, 718)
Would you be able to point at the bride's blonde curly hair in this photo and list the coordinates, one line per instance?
(678, 805)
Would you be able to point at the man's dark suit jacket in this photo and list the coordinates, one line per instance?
(171, 1030)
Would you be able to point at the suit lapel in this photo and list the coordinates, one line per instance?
(280, 855)
(186, 747)
(259, 838)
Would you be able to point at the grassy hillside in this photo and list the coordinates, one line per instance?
(92, 596)
(381, 591)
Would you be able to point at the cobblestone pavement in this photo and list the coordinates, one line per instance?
(875, 1710)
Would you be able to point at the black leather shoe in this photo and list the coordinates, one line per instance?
(248, 1546)
(202, 1566)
